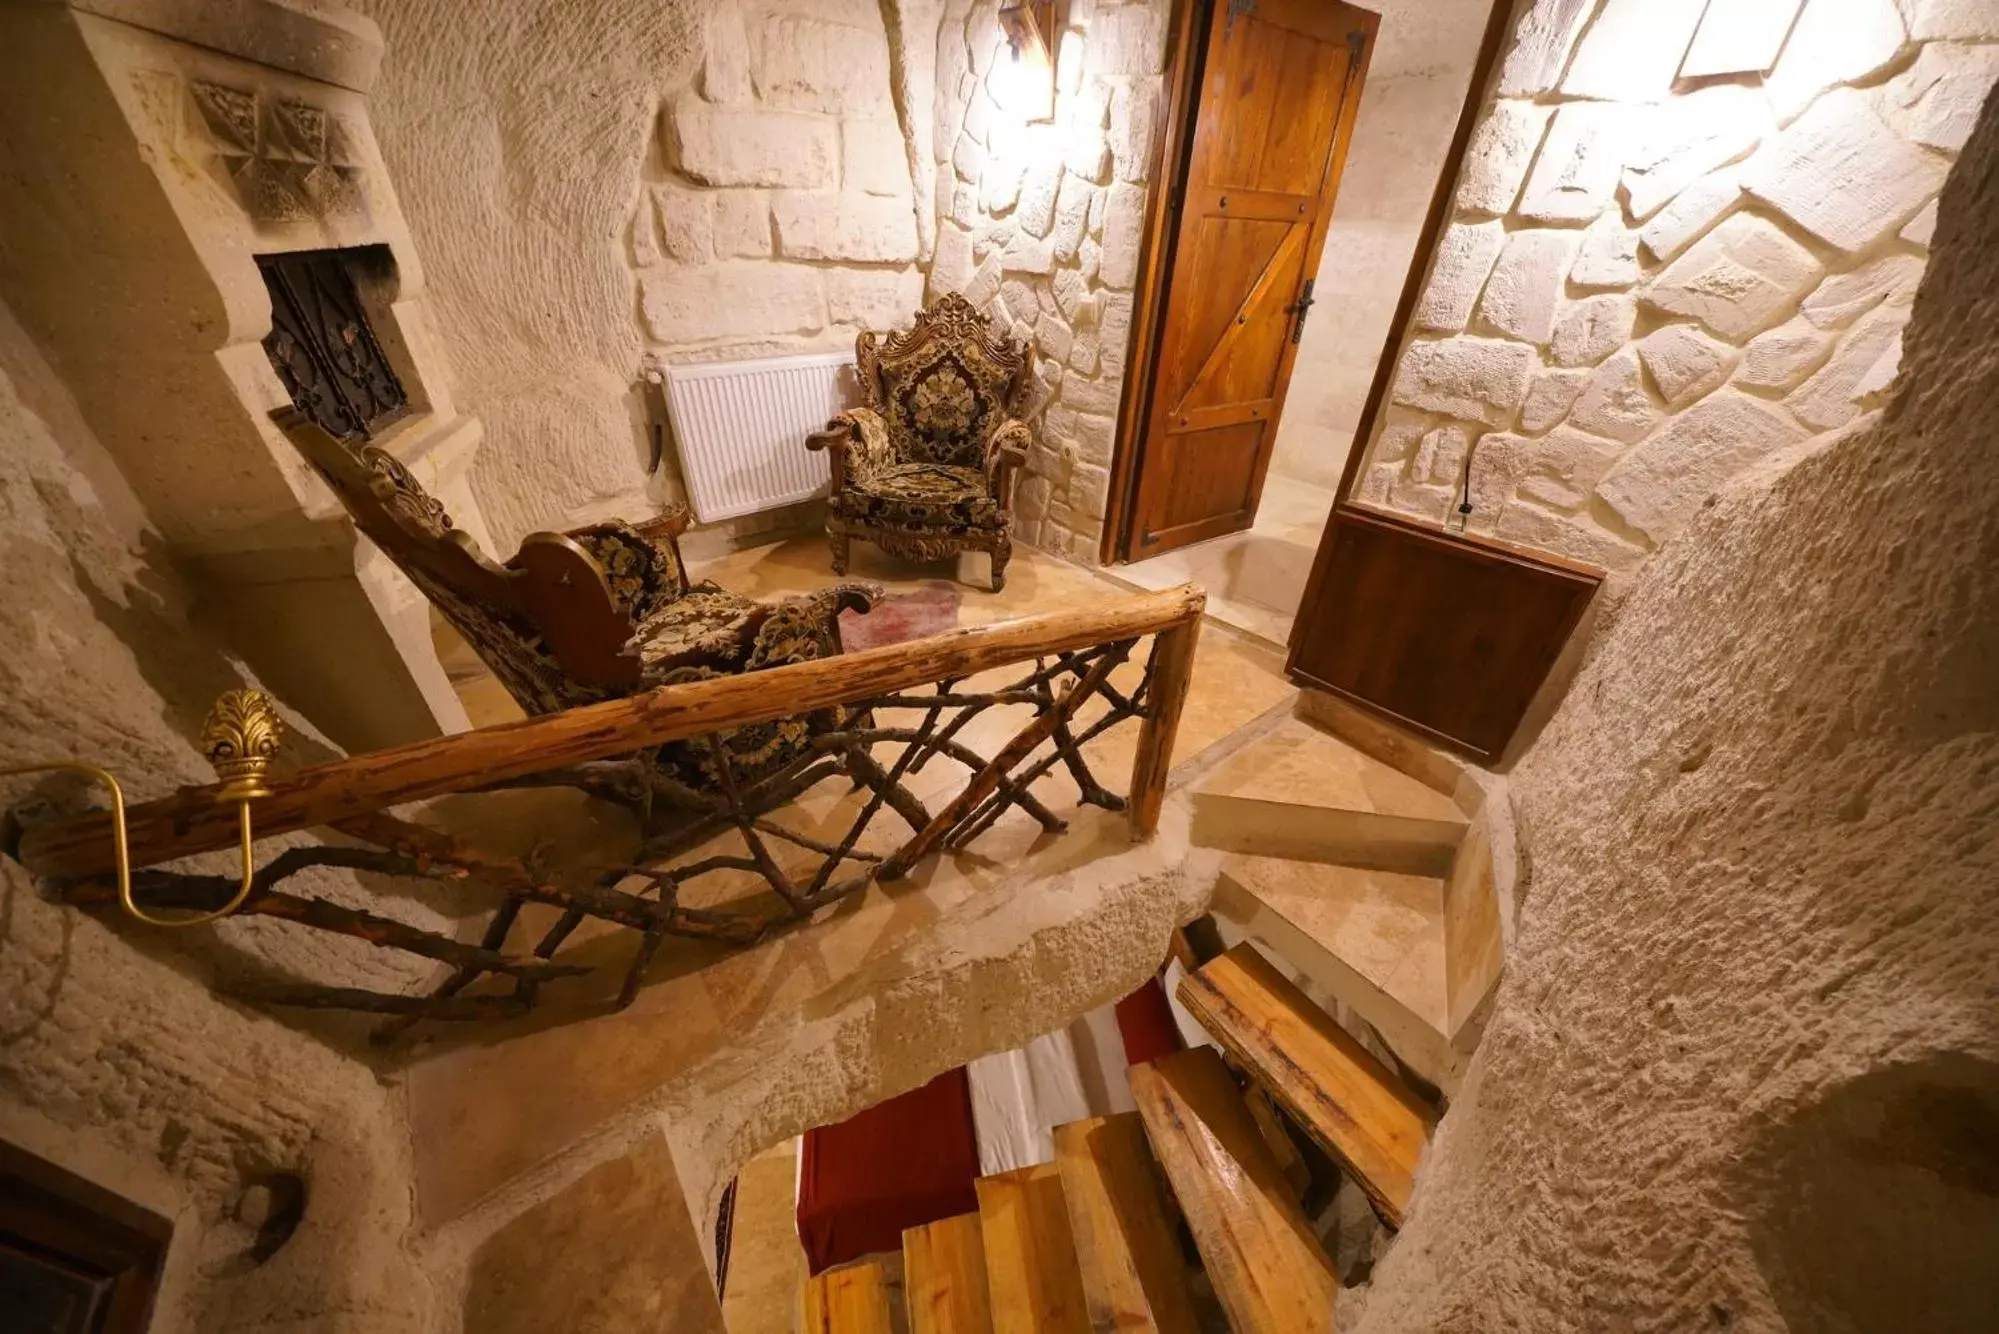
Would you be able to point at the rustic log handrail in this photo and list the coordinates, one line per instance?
(191, 820)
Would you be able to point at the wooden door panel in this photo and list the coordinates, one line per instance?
(1232, 256)
(1242, 360)
(1278, 95)
(1288, 107)
(1204, 490)
(1448, 635)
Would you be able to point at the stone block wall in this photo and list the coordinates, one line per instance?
(776, 210)
(1041, 189)
(1416, 80)
(1652, 281)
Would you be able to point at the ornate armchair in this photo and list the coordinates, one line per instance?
(924, 468)
(578, 617)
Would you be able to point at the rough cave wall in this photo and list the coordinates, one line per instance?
(1040, 208)
(1653, 281)
(1416, 82)
(692, 179)
(116, 1062)
(1743, 1073)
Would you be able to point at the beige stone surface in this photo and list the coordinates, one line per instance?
(1632, 50)
(767, 1265)
(1389, 928)
(1524, 289)
(613, 1252)
(1056, 167)
(1803, 174)
(1480, 379)
(1301, 764)
(1465, 256)
(1791, 721)
(571, 1072)
(1741, 278)
(118, 1063)
(1841, 174)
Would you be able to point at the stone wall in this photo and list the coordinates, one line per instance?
(778, 211)
(1415, 90)
(116, 1061)
(596, 184)
(1743, 1073)
(1652, 281)
(1040, 200)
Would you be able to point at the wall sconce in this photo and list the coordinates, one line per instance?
(1030, 27)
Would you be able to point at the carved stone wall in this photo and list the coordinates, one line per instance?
(1040, 203)
(147, 168)
(1658, 272)
(1742, 1072)
(117, 1062)
(1416, 83)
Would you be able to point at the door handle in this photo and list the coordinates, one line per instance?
(1301, 308)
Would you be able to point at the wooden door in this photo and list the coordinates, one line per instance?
(1279, 87)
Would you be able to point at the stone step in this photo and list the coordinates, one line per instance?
(1352, 1105)
(852, 1299)
(1267, 1268)
(944, 1277)
(1134, 1278)
(1303, 793)
(1031, 1270)
(1373, 941)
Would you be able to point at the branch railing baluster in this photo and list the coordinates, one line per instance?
(683, 829)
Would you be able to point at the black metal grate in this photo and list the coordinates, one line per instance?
(322, 347)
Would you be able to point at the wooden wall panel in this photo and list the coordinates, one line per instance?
(1451, 636)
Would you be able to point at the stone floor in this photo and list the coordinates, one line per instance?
(1255, 579)
(486, 1108)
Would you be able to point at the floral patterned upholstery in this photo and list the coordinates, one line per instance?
(923, 496)
(644, 575)
(925, 467)
(582, 617)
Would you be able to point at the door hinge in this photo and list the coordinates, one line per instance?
(1301, 308)
(1356, 43)
(1236, 7)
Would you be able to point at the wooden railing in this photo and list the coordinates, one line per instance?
(694, 762)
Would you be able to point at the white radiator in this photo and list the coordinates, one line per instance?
(741, 429)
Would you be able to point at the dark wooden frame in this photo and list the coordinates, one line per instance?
(59, 1214)
(1511, 585)
(1181, 91)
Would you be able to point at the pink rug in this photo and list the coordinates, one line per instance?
(901, 617)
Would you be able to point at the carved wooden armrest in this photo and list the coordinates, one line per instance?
(673, 519)
(1006, 449)
(564, 590)
(858, 441)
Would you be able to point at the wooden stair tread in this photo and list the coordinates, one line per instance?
(1352, 1105)
(1134, 1277)
(944, 1277)
(1267, 1267)
(1032, 1276)
(852, 1299)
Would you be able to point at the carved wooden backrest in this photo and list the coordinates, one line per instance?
(547, 623)
(945, 383)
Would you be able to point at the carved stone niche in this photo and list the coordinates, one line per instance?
(153, 153)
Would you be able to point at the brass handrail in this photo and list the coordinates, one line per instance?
(240, 737)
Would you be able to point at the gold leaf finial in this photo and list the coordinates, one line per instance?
(240, 737)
